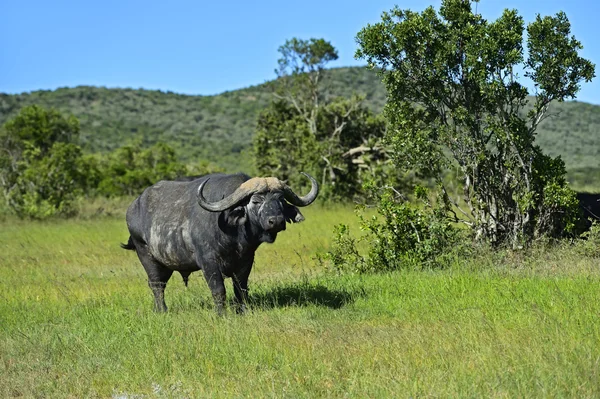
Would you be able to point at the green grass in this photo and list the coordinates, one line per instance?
(76, 321)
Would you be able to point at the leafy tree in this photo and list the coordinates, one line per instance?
(39, 128)
(301, 68)
(42, 170)
(339, 155)
(49, 185)
(335, 139)
(131, 168)
(454, 99)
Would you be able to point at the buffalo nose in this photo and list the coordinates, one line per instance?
(274, 221)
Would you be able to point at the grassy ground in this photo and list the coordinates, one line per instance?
(76, 321)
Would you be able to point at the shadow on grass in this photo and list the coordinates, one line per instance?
(270, 296)
(300, 295)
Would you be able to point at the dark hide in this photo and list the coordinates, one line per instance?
(170, 231)
(589, 203)
(188, 178)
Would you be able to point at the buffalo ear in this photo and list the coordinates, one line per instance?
(291, 213)
(236, 216)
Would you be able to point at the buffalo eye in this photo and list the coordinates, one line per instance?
(257, 200)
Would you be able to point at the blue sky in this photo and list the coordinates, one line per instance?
(207, 47)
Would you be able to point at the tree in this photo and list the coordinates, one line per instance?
(130, 169)
(335, 139)
(454, 99)
(301, 68)
(42, 170)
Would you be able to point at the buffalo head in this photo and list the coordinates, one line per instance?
(264, 205)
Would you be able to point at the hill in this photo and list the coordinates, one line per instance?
(219, 128)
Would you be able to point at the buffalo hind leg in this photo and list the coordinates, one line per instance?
(240, 288)
(158, 276)
(217, 288)
(157, 285)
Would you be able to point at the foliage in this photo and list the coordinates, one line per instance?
(42, 170)
(301, 69)
(401, 236)
(590, 245)
(453, 98)
(339, 155)
(337, 140)
(220, 128)
(131, 168)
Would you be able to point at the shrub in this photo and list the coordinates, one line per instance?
(42, 170)
(402, 235)
(131, 168)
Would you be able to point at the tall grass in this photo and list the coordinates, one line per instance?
(76, 321)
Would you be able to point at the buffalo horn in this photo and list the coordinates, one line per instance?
(293, 199)
(228, 202)
(257, 185)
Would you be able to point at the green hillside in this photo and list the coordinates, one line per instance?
(573, 131)
(219, 128)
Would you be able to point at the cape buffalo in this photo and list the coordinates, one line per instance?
(215, 224)
(589, 203)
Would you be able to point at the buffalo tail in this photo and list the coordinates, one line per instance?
(129, 245)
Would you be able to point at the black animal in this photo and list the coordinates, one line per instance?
(589, 203)
(215, 224)
(188, 178)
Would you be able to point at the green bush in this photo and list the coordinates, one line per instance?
(42, 170)
(401, 236)
(590, 244)
(131, 168)
(48, 186)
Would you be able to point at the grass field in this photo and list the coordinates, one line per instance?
(76, 321)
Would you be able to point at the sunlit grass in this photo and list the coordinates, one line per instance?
(76, 321)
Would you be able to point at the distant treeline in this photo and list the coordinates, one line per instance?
(214, 128)
(43, 170)
(219, 128)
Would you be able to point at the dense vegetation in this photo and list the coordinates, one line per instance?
(43, 171)
(453, 99)
(305, 129)
(218, 128)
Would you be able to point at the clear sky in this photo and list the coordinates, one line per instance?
(207, 47)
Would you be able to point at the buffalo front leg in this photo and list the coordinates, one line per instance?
(240, 288)
(217, 288)
(158, 276)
